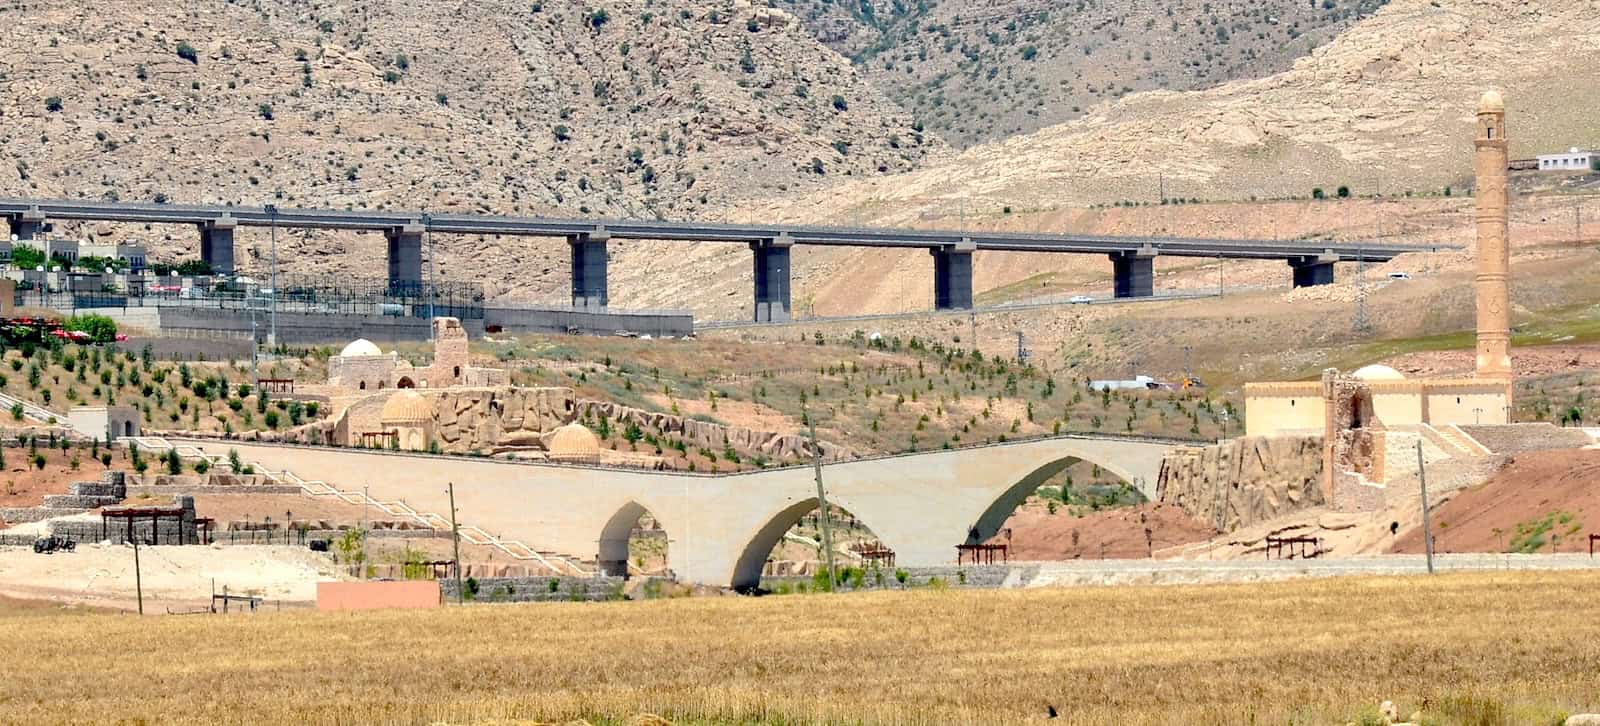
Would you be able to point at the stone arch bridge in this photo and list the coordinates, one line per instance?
(721, 528)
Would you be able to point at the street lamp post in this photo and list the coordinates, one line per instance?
(272, 328)
(433, 286)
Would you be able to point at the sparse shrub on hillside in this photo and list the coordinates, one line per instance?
(599, 17)
(265, 111)
(1344, 192)
(52, 104)
(188, 53)
(839, 104)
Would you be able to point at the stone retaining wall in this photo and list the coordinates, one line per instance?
(150, 490)
(1240, 482)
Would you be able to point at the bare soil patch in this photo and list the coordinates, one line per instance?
(1120, 533)
(1548, 501)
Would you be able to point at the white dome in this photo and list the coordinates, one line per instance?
(359, 347)
(1379, 373)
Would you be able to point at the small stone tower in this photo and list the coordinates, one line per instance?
(449, 354)
(1494, 249)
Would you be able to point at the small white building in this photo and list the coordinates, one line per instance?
(107, 423)
(1575, 160)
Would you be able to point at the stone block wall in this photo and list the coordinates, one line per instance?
(1240, 482)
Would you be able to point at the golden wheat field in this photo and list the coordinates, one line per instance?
(1476, 649)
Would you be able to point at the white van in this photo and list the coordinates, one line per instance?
(1399, 275)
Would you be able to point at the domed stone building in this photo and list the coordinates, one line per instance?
(364, 367)
(573, 443)
(409, 418)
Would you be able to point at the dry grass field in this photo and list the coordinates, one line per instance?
(1470, 649)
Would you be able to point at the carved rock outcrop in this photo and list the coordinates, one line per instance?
(1241, 482)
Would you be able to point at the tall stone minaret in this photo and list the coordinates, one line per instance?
(1494, 251)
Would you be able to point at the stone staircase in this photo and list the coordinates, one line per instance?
(1453, 441)
(517, 550)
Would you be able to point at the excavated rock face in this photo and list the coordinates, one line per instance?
(714, 436)
(1241, 482)
(486, 420)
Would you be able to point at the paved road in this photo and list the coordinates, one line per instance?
(383, 220)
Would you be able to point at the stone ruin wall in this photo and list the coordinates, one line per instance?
(1241, 482)
(487, 420)
(714, 436)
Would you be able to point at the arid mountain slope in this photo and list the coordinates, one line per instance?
(635, 108)
(1390, 102)
(981, 71)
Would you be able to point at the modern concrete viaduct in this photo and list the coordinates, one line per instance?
(1132, 257)
(721, 528)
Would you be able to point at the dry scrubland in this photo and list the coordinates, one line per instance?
(1478, 649)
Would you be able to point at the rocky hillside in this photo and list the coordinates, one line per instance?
(1389, 103)
(637, 108)
(981, 71)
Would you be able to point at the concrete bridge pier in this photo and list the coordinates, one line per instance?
(405, 258)
(1313, 270)
(1134, 273)
(26, 225)
(216, 244)
(772, 279)
(589, 259)
(952, 276)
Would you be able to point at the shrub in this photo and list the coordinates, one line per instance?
(202, 466)
(1344, 192)
(265, 111)
(39, 461)
(901, 576)
(1318, 194)
(52, 104)
(188, 53)
(839, 104)
(598, 18)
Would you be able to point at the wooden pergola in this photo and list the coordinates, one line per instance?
(156, 515)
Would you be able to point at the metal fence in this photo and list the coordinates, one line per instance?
(297, 293)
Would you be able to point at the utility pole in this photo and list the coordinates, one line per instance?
(364, 499)
(455, 539)
(972, 319)
(822, 504)
(138, 582)
(1161, 182)
(1427, 533)
(1577, 221)
(272, 330)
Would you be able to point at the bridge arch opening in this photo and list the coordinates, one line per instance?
(1069, 486)
(790, 543)
(632, 542)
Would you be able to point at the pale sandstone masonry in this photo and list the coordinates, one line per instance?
(1240, 482)
(486, 420)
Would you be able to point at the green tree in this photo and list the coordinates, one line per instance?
(101, 329)
(24, 257)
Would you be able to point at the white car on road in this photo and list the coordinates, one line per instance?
(1080, 300)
